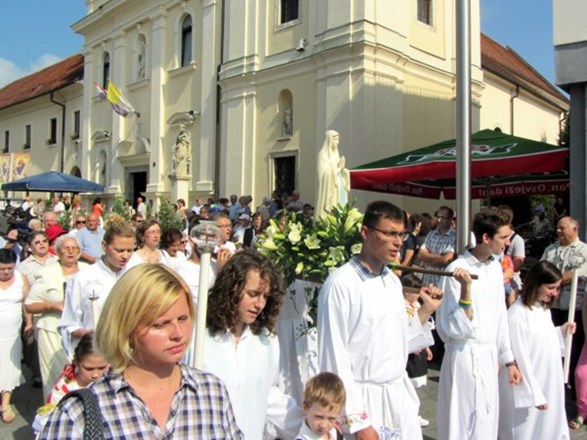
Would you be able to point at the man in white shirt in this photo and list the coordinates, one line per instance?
(141, 207)
(365, 334)
(58, 206)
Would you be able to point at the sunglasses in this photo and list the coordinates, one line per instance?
(80, 222)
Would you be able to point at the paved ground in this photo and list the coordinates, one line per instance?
(428, 406)
(27, 399)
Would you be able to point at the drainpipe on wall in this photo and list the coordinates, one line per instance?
(219, 104)
(62, 161)
(512, 109)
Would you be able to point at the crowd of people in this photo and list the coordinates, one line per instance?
(111, 304)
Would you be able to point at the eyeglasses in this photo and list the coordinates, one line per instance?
(388, 234)
(80, 222)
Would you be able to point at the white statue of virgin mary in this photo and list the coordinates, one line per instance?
(333, 179)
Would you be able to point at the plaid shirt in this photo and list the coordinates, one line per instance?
(200, 409)
(438, 243)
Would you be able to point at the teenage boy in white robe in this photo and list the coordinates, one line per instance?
(365, 335)
(472, 322)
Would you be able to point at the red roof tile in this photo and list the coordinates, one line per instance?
(506, 63)
(44, 81)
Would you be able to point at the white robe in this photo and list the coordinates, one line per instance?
(538, 347)
(364, 336)
(250, 371)
(468, 402)
(94, 281)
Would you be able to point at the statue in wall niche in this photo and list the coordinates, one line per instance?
(288, 120)
(182, 152)
(333, 179)
(141, 60)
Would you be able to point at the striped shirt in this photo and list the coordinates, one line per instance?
(200, 409)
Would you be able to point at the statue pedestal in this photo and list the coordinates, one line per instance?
(180, 187)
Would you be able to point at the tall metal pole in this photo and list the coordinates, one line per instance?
(463, 121)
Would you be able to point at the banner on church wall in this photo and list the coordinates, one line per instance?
(5, 168)
(20, 165)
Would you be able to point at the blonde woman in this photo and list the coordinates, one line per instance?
(143, 332)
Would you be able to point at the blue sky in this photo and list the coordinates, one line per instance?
(39, 34)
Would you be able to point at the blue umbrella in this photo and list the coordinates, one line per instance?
(53, 181)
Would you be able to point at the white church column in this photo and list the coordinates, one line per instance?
(84, 153)
(157, 168)
(118, 76)
(209, 51)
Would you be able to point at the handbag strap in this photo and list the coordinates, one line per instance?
(94, 425)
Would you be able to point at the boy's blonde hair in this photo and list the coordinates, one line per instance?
(327, 390)
(139, 297)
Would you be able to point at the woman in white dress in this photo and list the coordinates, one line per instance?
(14, 288)
(241, 348)
(148, 239)
(535, 409)
(45, 302)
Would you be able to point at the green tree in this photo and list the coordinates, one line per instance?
(121, 209)
(168, 217)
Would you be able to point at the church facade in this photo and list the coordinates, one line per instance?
(254, 86)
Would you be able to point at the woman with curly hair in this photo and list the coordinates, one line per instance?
(241, 347)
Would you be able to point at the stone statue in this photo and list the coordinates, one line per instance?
(141, 60)
(288, 120)
(182, 152)
(333, 179)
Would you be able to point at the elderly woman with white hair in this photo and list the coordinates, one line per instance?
(45, 301)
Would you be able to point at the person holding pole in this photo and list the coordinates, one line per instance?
(535, 409)
(472, 322)
(365, 334)
(569, 253)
